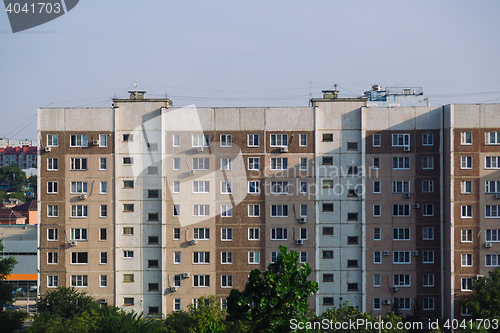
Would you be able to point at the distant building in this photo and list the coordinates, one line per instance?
(25, 157)
(9, 216)
(17, 143)
(28, 210)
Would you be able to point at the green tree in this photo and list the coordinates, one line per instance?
(15, 176)
(65, 302)
(485, 301)
(273, 298)
(33, 183)
(6, 268)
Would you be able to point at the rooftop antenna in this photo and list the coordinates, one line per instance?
(135, 85)
(310, 94)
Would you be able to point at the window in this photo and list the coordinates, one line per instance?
(78, 163)
(201, 233)
(466, 162)
(376, 163)
(51, 140)
(128, 277)
(466, 187)
(403, 303)
(492, 138)
(279, 140)
(201, 140)
(303, 140)
(492, 162)
(128, 230)
(279, 187)
(201, 281)
(128, 137)
(253, 140)
(399, 163)
(328, 231)
(327, 207)
(52, 164)
(427, 186)
(327, 160)
(303, 210)
(377, 257)
(428, 280)
(376, 210)
(466, 211)
(352, 170)
(376, 303)
(376, 233)
(79, 258)
(376, 140)
(377, 280)
(428, 303)
(153, 286)
(400, 140)
(153, 193)
(201, 257)
(492, 211)
(303, 187)
(352, 216)
(79, 234)
(254, 210)
(327, 277)
(303, 257)
(177, 233)
(492, 260)
(327, 183)
(103, 258)
(401, 257)
(279, 163)
(103, 140)
(104, 188)
(226, 187)
(226, 234)
(201, 210)
(427, 139)
(177, 163)
(401, 187)
(254, 186)
(466, 138)
(128, 161)
(52, 257)
(177, 210)
(466, 259)
(352, 146)
(253, 163)
(128, 254)
(177, 304)
(226, 257)
(176, 140)
(153, 216)
(400, 210)
(427, 209)
(128, 207)
(226, 163)
(328, 137)
(327, 300)
(227, 281)
(328, 254)
(467, 284)
(401, 280)
(79, 211)
(401, 233)
(128, 184)
(466, 235)
(376, 186)
(103, 163)
(78, 141)
(52, 187)
(177, 257)
(79, 187)
(352, 287)
(492, 186)
(279, 210)
(201, 163)
(201, 187)
(427, 233)
(279, 233)
(274, 256)
(79, 281)
(153, 240)
(303, 163)
(226, 140)
(253, 233)
(427, 162)
(176, 187)
(492, 235)
(302, 233)
(352, 263)
(428, 257)
(52, 234)
(52, 210)
(253, 257)
(52, 281)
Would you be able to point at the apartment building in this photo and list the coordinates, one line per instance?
(25, 156)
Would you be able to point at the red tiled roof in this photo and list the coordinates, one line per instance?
(7, 213)
(28, 150)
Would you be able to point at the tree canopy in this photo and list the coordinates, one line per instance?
(485, 302)
(6, 268)
(14, 176)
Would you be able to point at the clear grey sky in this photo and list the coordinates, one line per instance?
(247, 53)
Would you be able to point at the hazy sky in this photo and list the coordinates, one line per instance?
(247, 53)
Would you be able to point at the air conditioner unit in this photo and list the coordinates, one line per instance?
(173, 289)
(73, 243)
(487, 244)
(191, 172)
(394, 288)
(415, 253)
(199, 149)
(95, 142)
(406, 148)
(47, 149)
(302, 220)
(497, 196)
(193, 242)
(83, 196)
(300, 242)
(186, 275)
(406, 195)
(386, 253)
(284, 149)
(387, 301)
(416, 205)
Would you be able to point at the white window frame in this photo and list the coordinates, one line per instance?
(103, 188)
(466, 162)
(280, 140)
(466, 236)
(377, 187)
(303, 187)
(226, 140)
(201, 210)
(466, 138)
(401, 257)
(399, 163)
(466, 211)
(103, 281)
(201, 257)
(176, 140)
(401, 186)
(226, 210)
(252, 211)
(226, 164)
(401, 234)
(375, 208)
(201, 233)
(200, 140)
(52, 210)
(253, 140)
(427, 233)
(79, 234)
(176, 163)
(279, 233)
(427, 186)
(427, 139)
(176, 186)
(201, 186)
(279, 187)
(103, 163)
(226, 257)
(303, 163)
(428, 280)
(52, 281)
(466, 284)
(77, 164)
(226, 234)
(302, 137)
(254, 257)
(377, 280)
(79, 187)
(464, 184)
(400, 140)
(54, 236)
(428, 162)
(492, 211)
(376, 163)
(226, 187)
(377, 257)
(492, 162)
(401, 280)
(376, 140)
(201, 281)
(428, 257)
(492, 186)
(75, 260)
(226, 281)
(428, 210)
(52, 258)
(466, 259)
(428, 303)
(201, 163)
(52, 164)
(492, 235)
(256, 186)
(52, 187)
(279, 211)
(80, 140)
(401, 210)
(492, 135)
(254, 163)
(279, 163)
(253, 233)
(50, 140)
(79, 211)
(492, 260)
